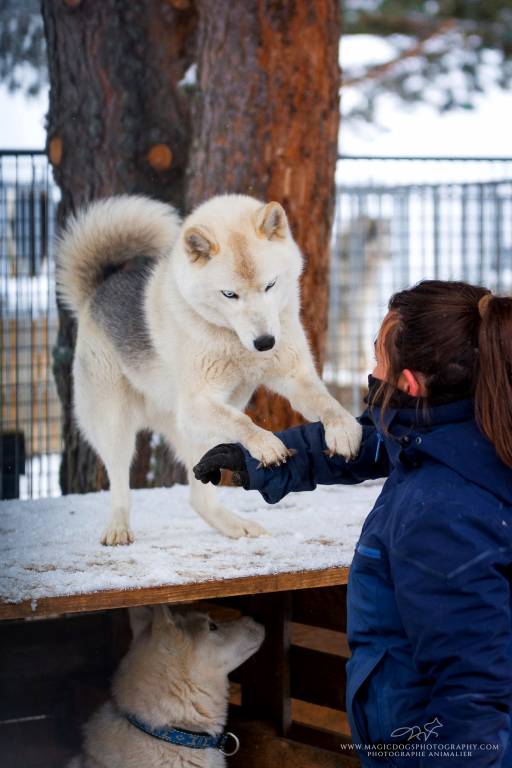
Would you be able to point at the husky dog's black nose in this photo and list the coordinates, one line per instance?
(262, 343)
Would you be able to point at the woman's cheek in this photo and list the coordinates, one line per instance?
(379, 372)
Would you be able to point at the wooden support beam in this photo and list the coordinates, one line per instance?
(174, 593)
(265, 678)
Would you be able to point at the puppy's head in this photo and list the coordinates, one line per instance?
(191, 641)
(176, 669)
(238, 266)
(199, 644)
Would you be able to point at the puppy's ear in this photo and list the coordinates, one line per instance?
(165, 618)
(271, 222)
(161, 616)
(140, 619)
(199, 243)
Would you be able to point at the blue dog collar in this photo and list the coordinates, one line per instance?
(184, 738)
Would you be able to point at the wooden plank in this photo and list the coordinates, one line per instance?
(175, 593)
(324, 739)
(260, 747)
(320, 639)
(322, 607)
(317, 716)
(318, 677)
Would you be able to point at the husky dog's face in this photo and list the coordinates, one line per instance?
(194, 642)
(222, 646)
(240, 267)
(211, 646)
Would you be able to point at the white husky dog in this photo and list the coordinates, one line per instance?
(172, 686)
(177, 327)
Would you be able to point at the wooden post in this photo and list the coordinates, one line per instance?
(265, 677)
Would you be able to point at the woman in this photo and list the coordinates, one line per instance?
(429, 593)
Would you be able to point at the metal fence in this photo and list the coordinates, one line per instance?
(29, 409)
(402, 220)
(397, 221)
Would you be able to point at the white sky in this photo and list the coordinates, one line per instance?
(420, 130)
(22, 120)
(417, 130)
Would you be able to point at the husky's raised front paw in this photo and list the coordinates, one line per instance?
(116, 536)
(343, 436)
(268, 449)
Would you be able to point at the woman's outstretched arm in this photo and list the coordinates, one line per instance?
(309, 466)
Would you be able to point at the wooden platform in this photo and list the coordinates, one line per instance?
(290, 697)
(53, 563)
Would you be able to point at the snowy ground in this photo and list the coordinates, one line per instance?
(50, 547)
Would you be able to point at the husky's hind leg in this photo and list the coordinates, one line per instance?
(110, 428)
(203, 499)
(117, 457)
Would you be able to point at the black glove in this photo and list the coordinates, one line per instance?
(225, 456)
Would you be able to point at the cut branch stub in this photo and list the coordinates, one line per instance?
(160, 157)
(180, 5)
(55, 150)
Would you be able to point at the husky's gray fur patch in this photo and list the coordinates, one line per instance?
(118, 307)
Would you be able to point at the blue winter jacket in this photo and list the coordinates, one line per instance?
(429, 592)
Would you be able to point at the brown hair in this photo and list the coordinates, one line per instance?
(459, 336)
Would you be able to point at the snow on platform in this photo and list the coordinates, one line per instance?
(50, 547)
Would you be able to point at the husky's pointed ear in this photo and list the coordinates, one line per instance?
(271, 221)
(161, 615)
(165, 618)
(140, 618)
(199, 243)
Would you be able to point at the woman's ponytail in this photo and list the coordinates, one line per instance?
(493, 391)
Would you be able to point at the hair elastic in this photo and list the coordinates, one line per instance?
(483, 304)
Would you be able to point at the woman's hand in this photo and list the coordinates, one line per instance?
(224, 456)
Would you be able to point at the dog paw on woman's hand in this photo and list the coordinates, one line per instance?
(224, 456)
(343, 437)
(267, 448)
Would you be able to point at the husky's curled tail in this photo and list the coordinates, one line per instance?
(106, 234)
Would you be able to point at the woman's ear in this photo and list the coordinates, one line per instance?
(411, 383)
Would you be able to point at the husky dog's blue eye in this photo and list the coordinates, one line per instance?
(230, 294)
(271, 285)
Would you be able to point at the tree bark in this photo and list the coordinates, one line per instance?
(118, 123)
(265, 123)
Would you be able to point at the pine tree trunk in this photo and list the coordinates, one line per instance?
(117, 123)
(265, 123)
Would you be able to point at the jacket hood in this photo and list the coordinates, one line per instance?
(449, 435)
